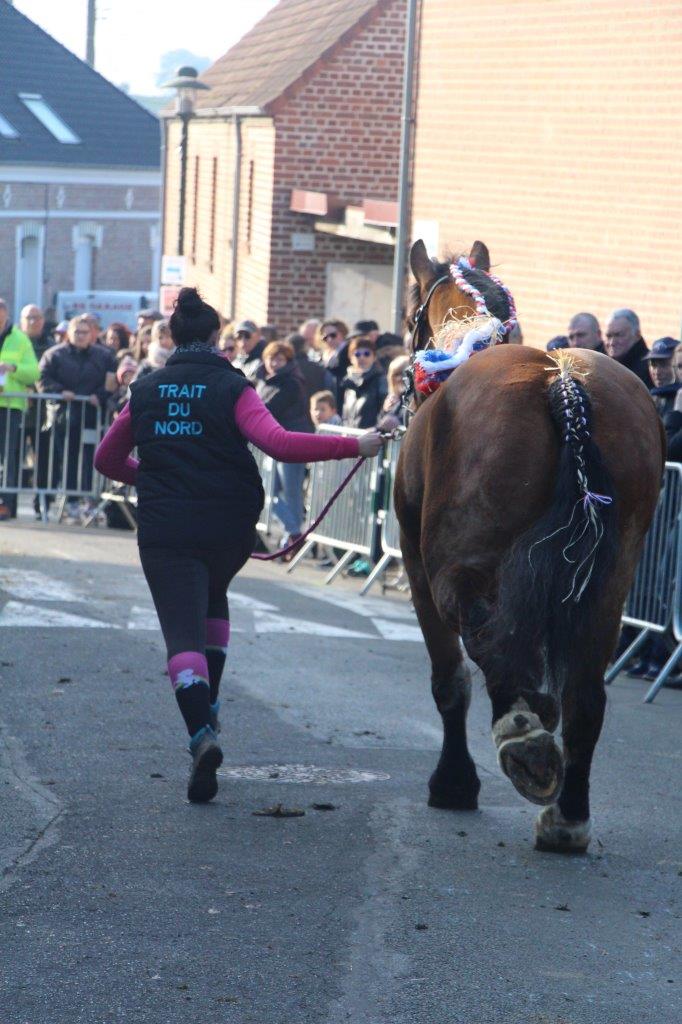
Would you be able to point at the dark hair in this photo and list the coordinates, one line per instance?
(559, 341)
(121, 332)
(297, 342)
(365, 326)
(361, 343)
(192, 319)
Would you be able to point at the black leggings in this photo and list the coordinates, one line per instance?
(189, 585)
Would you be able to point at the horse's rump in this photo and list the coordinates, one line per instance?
(486, 463)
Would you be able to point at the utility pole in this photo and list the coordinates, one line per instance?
(401, 239)
(90, 38)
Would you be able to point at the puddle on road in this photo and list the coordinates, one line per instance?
(300, 773)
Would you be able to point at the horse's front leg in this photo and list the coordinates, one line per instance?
(523, 718)
(454, 784)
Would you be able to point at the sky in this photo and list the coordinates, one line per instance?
(132, 35)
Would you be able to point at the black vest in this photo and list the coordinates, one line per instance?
(197, 479)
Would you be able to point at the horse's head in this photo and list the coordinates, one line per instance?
(436, 295)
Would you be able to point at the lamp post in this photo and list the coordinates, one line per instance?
(186, 85)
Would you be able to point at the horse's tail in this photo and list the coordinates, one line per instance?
(551, 581)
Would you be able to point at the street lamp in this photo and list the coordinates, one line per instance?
(186, 85)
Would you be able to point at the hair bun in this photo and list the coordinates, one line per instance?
(189, 302)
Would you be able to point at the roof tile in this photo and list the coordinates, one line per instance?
(278, 50)
(114, 130)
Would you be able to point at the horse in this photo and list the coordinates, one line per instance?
(524, 490)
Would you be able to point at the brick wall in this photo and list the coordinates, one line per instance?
(551, 132)
(338, 133)
(124, 260)
(208, 212)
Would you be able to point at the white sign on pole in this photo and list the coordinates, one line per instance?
(173, 269)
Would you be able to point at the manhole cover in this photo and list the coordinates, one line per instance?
(300, 773)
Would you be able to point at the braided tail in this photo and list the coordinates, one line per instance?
(552, 579)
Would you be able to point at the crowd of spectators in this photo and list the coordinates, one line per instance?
(326, 373)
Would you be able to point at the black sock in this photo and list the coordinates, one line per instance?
(215, 658)
(193, 702)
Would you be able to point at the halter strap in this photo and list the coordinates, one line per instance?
(424, 307)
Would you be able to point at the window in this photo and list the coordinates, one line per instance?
(214, 187)
(7, 130)
(47, 117)
(30, 243)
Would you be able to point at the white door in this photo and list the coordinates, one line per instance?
(359, 291)
(82, 272)
(29, 272)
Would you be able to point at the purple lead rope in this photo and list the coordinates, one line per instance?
(313, 526)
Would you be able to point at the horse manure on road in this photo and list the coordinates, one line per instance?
(279, 811)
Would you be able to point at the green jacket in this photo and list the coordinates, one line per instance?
(16, 348)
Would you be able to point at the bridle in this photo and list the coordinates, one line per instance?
(408, 372)
(423, 309)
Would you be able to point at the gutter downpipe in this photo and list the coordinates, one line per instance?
(404, 188)
(162, 199)
(236, 195)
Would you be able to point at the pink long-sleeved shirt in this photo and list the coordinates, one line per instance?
(254, 422)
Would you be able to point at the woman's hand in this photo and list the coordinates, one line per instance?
(370, 443)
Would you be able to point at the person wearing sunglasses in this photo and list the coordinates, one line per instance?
(227, 344)
(250, 348)
(334, 346)
(364, 388)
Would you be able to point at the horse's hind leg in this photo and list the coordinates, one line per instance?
(564, 827)
(454, 784)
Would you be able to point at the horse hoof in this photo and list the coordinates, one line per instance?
(554, 834)
(528, 755)
(454, 801)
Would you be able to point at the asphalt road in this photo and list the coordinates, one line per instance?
(121, 902)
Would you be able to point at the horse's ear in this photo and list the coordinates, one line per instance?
(479, 256)
(421, 265)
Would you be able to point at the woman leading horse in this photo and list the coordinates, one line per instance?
(524, 490)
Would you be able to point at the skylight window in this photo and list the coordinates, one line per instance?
(47, 117)
(7, 130)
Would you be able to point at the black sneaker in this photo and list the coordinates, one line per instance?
(207, 758)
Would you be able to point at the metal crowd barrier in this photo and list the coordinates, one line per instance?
(653, 604)
(390, 530)
(47, 449)
(267, 467)
(351, 521)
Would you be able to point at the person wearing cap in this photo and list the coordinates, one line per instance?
(558, 341)
(251, 346)
(366, 329)
(60, 332)
(662, 373)
(199, 499)
(147, 317)
(125, 374)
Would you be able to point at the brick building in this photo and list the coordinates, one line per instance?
(294, 153)
(550, 130)
(79, 175)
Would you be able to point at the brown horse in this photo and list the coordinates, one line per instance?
(520, 534)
